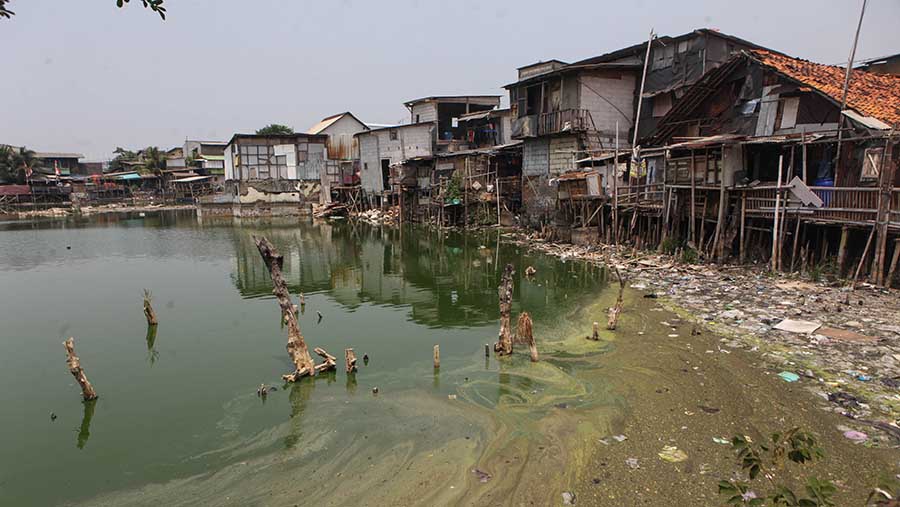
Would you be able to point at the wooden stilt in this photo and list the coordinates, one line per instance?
(862, 260)
(842, 250)
(796, 243)
(882, 218)
(893, 269)
(741, 248)
(775, 221)
(437, 356)
(350, 360)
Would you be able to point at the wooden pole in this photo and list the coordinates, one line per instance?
(693, 201)
(777, 208)
(437, 356)
(883, 215)
(847, 74)
(87, 390)
(896, 257)
(803, 143)
(796, 243)
(862, 260)
(742, 253)
(504, 345)
(718, 244)
(842, 249)
(615, 180)
(498, 199)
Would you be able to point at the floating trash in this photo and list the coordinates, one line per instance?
(672, 454)
(789, 376)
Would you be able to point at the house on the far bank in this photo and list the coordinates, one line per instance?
(342, 147)
(270, 175)
(66, 163)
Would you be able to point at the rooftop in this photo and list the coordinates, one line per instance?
(459, 99)
(875, 95)
(331, 120)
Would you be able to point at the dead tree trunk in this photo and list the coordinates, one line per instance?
(595, 335)
(350, 360)
(504, 346)
(148, 309)
(296, 346)
(525, 334)
(617, 309)
(87, 390)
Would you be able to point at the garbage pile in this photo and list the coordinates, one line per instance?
(835, 338)
(377, 216)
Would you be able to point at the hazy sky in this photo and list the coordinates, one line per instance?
(82, 75)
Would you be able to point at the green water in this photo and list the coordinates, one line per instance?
(178, 420)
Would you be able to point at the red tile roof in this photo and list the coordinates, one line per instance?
(875, 95)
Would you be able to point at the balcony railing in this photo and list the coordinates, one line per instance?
(556, 122)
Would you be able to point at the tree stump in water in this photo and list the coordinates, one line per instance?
(350, 360)
(617, 309)
(595, 335)
(504, 346)
(296, 345)
(437, 356)
(525, 334)
(87, 390)
(148, 309)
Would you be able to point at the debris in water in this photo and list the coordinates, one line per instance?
(721, 441)
(845, 400)
(52, 416)
(650, 295)
(798, 326)
(856, 436)
(568, 498)
(672, 454)
(530, 271)
(708, 410)
(632, 463)
(620, 438)
(375, 390)
(320, 316)
(482, 475)
(262, 390)
(451, 396)
(366, 359)
(789, 376)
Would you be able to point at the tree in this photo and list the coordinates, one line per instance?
(14, 162)
(122, 156)
(154, 5)
(154, 161)
(275, 130)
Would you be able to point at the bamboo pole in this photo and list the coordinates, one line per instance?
(614, 312)
(615, 180)
(693, 201)
(775, 252)
(741, 247)
(437, 356)
(862, 260)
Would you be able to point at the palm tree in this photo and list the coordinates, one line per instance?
(154, 161)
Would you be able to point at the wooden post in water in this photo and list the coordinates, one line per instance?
(437, 356)
(525, 334)
(614, 312)
(87, 390)
(504, 346)
(350, 360)
(148, 309)
(296, 345)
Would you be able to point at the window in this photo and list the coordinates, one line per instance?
(417, 118)
(393, 134)
(662, 57)
(790, 106)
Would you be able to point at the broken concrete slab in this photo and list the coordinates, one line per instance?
(798, 326)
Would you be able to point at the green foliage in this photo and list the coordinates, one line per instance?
(670, 245)
(454, 188)
(153, 160)
(122, 156)
(13, 163)
(275, 129)
(154, 5)
(689, 255)
(767, 460)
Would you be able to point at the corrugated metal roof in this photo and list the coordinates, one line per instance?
(53, 154)
(191, 179)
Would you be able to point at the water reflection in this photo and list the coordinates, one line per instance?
(152, 353)
(84, 433)
(444, 278)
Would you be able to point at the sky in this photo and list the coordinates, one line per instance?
(87, 77)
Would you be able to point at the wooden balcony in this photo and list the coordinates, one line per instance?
(556, 122)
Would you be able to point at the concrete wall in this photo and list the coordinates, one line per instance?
(411, 141)
(535, 156)
(561, 154)
(609, 96)
(427, 111)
